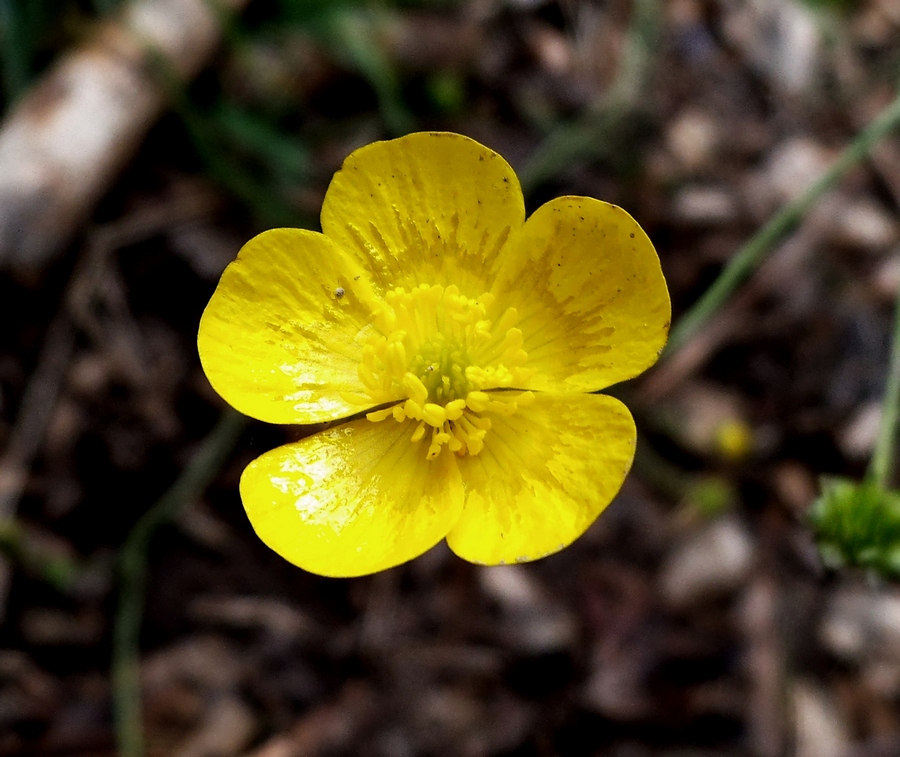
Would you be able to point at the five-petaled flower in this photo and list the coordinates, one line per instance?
(460, 340)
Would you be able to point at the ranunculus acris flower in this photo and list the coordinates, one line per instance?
(460, 338)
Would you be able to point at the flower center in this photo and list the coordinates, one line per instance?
(436, 355)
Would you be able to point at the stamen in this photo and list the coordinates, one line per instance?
(455, 409)
(434, 415)
(379, 415)
(419, 433)
(477, 402)
(436, 354)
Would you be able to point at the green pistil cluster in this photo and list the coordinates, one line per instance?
(441, 366)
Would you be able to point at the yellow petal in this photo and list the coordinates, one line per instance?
(432, 208)
(543, 477)
(352, 500)
(593, 304)
(278, 339)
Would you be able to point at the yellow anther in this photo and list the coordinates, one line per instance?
(475, 445)
(513, 339)
(477, 402)
(478, 376)
(493, 377)
(434, 415)
(438, 439)
(525, 399)
(455, 409)
(380, 415)
(506, 321)
(367, 374)
(483, 423)
(354, 398)
(396, 356)
(419, 433)
(471, 428)
(416, 388)
(507, 407)
(413, 409)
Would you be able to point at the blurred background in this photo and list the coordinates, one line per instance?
(143, 142)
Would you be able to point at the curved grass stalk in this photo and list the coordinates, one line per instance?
(881, 466)
(748, 257)
(193, 481)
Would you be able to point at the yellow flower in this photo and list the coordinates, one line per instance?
(462, 337)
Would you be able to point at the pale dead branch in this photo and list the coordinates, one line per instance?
(67, 139)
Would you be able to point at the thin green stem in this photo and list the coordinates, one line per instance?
(881, 465)
(755, 250)
(193, 481)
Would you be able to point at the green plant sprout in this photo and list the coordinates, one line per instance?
(857, 523)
